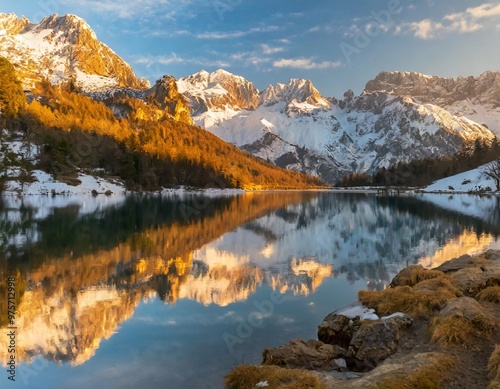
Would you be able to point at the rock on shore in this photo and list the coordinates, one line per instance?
(431, 328)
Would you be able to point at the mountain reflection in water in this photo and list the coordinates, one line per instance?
(81, 276)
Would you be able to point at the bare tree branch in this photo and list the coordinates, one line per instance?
(492, 170)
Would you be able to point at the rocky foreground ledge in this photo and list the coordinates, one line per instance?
(434, 328)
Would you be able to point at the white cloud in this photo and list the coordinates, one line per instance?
(461, 23)
(249, 58)
(218, 35)
(221, 35)
(268, 50)
(264, 29)
(471, 20)
(305, 63)
(159, 60)
(314, 29)
(484, 11)
(425, 29)
(127, 10)
(324, 29)
(154, 62)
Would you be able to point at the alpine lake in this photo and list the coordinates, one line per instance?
(173, 291)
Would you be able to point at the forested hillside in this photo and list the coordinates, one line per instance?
(424, 171)
(146, 147)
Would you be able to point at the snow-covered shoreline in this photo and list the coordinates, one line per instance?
(472, 181)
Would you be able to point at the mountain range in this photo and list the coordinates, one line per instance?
(399, 117)
(295, 127)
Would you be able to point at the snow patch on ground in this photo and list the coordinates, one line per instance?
(469, 181)
(358, 311)
(45, 184)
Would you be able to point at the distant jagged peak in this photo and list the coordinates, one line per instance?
(217, 91)
(406, 74)
(297, 89)
(11, 24)
(221, 73)
(205, 79)
(484, 89)
(70, 25)
(390, 81)
(349, 94)
(412, 75)
(56, 21)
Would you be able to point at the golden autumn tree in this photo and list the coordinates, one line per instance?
(12, 98)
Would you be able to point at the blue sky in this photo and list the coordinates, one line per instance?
(338, 44)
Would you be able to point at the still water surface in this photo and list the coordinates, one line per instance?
(172, 292)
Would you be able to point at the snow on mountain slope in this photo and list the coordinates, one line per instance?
(300, 90)
(295, 127)
(59, 47)
(477, 98)
(220, 92)
(470, 181)
(489, 117)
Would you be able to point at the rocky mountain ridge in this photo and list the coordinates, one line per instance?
(60, 47)
(477, 98)
(295, 127)
(218, 90)
(437, 90)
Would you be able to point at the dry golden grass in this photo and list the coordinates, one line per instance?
(460, 331)
(491, 294)
(412, 275)
(422, 300)
(428, 377)
(494, 368)
(246, 377)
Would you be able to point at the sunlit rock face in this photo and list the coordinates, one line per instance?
(60, 47)
(485, 89)
(165, 93)
(218, 91)
(476, 98)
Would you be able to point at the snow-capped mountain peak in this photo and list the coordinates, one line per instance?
(70, 26)
(476, 98)
(297, 89)
(218, 93)
(295, 127)
(11, 24)
(60, 47)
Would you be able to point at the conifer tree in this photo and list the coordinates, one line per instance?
(12, 98)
